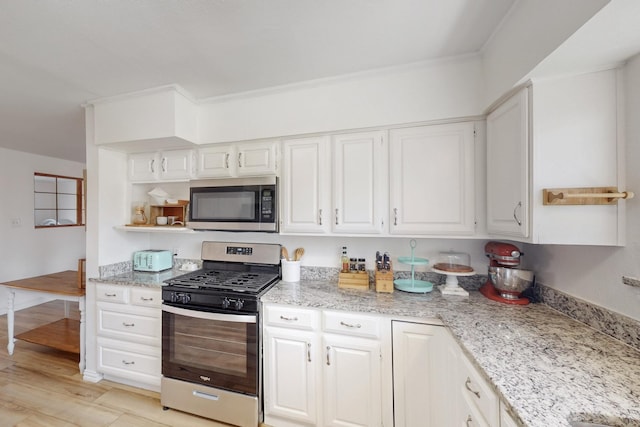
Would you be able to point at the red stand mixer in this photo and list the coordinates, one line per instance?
(506, 282)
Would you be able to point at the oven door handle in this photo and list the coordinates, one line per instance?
(230, 317)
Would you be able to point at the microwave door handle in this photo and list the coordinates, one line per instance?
(231, 317)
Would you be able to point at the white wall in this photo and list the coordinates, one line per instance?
(595, 273)
(24, 250)
(428, 91)
(532, 30)
(325, 251)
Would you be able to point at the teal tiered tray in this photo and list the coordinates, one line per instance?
(413, 285)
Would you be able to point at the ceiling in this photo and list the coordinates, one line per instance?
(57, 54)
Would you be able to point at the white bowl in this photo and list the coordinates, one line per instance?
(162, 220)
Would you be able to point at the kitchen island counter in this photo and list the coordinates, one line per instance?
(549, 368)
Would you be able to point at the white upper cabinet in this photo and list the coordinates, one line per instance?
(359, 182)
(174, 165)
(215, 161)
(240, 159)
(431, 180)
(257, 158)
(508, 167)
(305, 186)
(571, 138)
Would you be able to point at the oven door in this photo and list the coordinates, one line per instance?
(214, 349)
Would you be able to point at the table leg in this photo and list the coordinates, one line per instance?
(67, 310)
(81, 306)
(10, 322)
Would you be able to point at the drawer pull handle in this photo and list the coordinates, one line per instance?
(124, 362)
(146, 299)
(308, 352)
(128, 325)
(207, 396)
(467, 383)
(469, 421)
(349, 325)
(109, 295)
(289, 319)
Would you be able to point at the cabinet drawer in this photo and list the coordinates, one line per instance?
(129, 326)
(146, 297)
(290, 317)
(135, 362)
(478, 392)
(351, 324)
(470, 414)
(112, 293)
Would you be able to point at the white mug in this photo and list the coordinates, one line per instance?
(161, 220)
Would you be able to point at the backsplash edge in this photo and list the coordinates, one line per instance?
(616, 325)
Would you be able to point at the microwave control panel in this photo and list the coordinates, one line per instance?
(266, 205)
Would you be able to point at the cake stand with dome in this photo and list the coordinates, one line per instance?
(413, 285)
(453, 265)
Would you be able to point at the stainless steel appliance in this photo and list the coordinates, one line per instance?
(152, 260)
(236, 204)
(211, 345)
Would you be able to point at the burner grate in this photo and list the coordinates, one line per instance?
(248, 282)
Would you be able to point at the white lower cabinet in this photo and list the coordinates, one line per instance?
(482, 403)
(129, 334)
(424, 368)
(506, 420)
(323, 368)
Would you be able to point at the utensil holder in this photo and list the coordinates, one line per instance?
(290, 271)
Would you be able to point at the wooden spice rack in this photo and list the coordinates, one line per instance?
(354, 280)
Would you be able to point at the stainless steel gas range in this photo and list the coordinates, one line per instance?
(211, 344)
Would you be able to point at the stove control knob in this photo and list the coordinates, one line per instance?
(181, 297)
(226, 303)
(239, 304)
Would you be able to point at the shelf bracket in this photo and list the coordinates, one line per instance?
(584, 196)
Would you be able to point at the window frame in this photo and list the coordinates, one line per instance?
(79, 200)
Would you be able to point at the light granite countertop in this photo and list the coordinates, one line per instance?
(549, 368)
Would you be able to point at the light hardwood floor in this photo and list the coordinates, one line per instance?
(42, 387)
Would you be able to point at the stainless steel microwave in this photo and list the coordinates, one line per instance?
(234, 204)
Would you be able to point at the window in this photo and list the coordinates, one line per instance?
(58, 201)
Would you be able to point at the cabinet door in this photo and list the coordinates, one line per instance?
(506, 420)
(432, 180)
(290, 358)
(144, 167)
(424, 385)
(305, 186)
(257, 158)
(359, 174)
(508, 168)
(214, 162)
(176, 164)
(352, 381)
